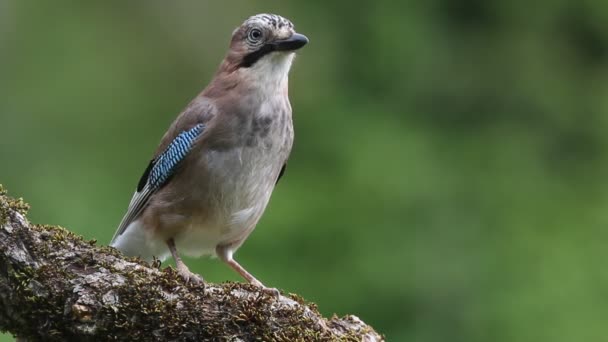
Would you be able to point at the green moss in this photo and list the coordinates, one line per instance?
(7, 204)
(19, 205)
(35, 299)
(3, 206)
(245, 317)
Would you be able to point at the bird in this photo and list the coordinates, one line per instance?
(214, 170)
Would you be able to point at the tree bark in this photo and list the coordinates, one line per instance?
(56, 286)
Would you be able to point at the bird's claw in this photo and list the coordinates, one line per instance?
(189, 277)
(267, 290)
(271, 291)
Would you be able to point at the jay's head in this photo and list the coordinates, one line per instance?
(264, 43)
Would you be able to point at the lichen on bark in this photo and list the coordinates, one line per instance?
(57, 286)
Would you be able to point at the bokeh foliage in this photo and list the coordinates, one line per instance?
(447, 181)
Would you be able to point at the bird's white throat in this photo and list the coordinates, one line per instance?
(271, 72)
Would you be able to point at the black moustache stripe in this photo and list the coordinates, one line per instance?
(255, 56)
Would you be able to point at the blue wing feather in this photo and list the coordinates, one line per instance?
(165, 163)
(158, 173)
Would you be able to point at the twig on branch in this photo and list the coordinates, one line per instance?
(55, 286)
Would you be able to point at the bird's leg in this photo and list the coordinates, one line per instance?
(243, 272)
(225, 254)
(182, 269)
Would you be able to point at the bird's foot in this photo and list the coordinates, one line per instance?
(267, 290)
(188, 276)
(226, 255)
(182, 269)
(271, 291)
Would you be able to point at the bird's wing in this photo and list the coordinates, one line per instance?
(158, 172)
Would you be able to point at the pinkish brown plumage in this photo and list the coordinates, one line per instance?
(214, 170)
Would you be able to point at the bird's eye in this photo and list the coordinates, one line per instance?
(255, 35)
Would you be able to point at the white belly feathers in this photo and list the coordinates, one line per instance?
(241, 182)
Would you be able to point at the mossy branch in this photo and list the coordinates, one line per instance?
(55, 286)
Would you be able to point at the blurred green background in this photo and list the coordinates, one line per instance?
(448, 177)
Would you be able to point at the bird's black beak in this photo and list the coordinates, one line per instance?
(292, 43)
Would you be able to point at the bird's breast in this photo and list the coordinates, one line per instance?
(242, 178)
(228, 188)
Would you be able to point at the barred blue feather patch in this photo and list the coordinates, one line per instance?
(165, 164)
